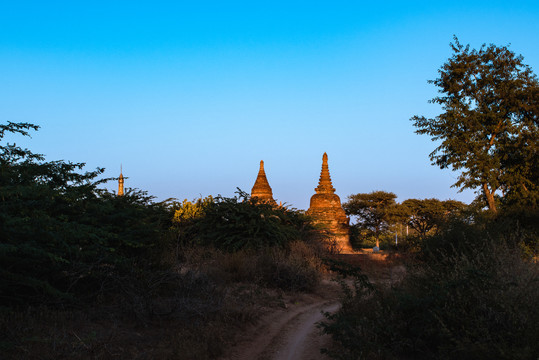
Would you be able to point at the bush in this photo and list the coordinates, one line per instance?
(238, 223)
(248, 241)
(296, 267)
(472, 298)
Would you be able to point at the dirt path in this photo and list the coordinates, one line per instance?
(304, 341)
(289, 333)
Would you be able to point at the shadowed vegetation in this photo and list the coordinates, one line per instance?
(89, 274)
(470, 294)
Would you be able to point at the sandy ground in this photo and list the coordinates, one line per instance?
(291, 332)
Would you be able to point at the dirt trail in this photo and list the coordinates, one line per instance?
(289, 333)
(304, 340)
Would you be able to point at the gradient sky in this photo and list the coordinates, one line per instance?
(189, 97)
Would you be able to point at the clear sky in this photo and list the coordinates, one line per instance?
(190, 96)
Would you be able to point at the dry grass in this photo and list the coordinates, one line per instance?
(193, 325)
(191, 312)
(381, 268)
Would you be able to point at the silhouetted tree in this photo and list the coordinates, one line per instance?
(489, 125)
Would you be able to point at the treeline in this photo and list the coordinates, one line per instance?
(379, 218)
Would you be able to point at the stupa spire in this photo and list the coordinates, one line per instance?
(324, 184)
(121, 183)
(262, 189)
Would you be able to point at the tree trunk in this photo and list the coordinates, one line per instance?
(490, 198)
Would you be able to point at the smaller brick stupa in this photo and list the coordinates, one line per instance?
(326, 209)
(261, 189)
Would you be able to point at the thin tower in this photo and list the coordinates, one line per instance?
(121, 183)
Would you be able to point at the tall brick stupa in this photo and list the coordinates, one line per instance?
(261, 189)
(326, 209)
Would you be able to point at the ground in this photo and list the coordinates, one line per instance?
(291, 332)
(269, 323)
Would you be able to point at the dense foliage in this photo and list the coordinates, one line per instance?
(378, 217)
(489, 127)
(62, 237)
(240, 222)
(427, 215)
(472, 296)
(83, 268)
(374, 211)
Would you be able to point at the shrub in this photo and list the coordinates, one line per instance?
(239, 223)
(296, 267)
(468, 301)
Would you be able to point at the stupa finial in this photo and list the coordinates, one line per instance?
(324, 184)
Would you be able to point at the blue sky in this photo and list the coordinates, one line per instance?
(189, 97)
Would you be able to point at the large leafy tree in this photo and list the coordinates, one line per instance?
(488, 129)
(426, 215)
(375, 211)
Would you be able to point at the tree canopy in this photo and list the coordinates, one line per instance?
(374, 211)
(489, 128)
(427, 215)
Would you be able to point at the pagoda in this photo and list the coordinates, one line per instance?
(327, 211)
(261, 189)
(121, 183)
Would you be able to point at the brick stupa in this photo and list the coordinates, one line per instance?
(261, 189)
(326, 209)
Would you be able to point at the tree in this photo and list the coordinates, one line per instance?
(489, 125)
(187, 211)
(374, 211)
(429, 214)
